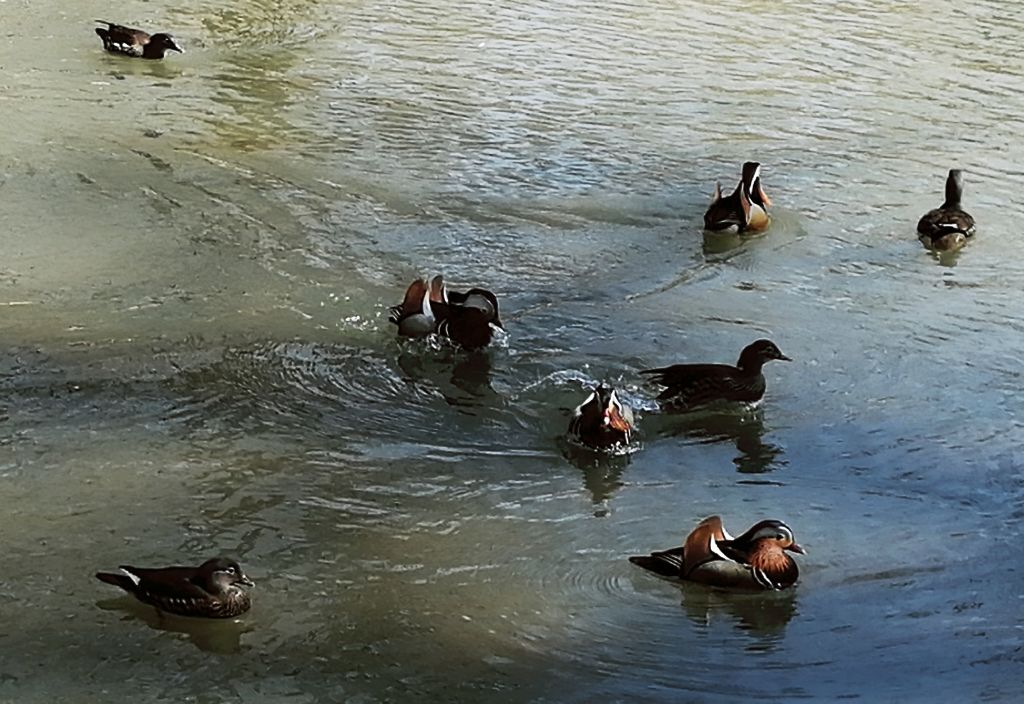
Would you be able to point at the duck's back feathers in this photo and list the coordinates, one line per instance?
(691, 385)
(122, 40)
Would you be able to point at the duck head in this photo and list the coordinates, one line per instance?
(163, 42)
(776, 533)
(486, 301)
(221, 574)
(757, 353)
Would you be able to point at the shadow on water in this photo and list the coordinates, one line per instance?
(463, 378)
(744, 429)
(763, 615)
(222, 636)
(602, 471)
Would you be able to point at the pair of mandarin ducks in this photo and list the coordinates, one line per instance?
(755, 560)
(946, 228)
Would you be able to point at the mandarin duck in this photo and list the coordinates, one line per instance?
(745, 209)
(709, 555)
(602, 421)
(947, 227)
(212, 590)
(466, 318)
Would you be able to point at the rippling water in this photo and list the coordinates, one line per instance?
(195, 360)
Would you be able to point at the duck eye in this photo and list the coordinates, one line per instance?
(231, 570)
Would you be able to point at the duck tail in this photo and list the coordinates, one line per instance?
(667, 564)
(118, 580)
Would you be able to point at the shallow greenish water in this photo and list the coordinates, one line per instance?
(195, 358)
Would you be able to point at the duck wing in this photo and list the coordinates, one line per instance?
(167, 582)
(667, 563)
(121, 39)
(690, 385)
(411, 304)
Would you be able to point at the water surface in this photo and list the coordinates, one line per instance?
(198, 255)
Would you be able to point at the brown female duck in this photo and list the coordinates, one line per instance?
(212, 590)
(947, 227)
(128, 41)
(709, 555)
(690, 386)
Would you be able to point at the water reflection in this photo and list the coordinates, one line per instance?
(721, 242)
(764, 615)
(463, 378)
(746, 430)
(222, 636)
(602, 472)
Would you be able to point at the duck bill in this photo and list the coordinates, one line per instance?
(176, 47)
(797, 549)
(245, 581)
(784, 358)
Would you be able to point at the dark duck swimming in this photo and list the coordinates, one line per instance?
(692, 386)
(214, 589)
(128, 41)
(949, 226)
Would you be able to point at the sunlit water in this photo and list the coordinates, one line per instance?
(195, 360)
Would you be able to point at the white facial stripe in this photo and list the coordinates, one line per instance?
(726, 533)
(134, 578)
